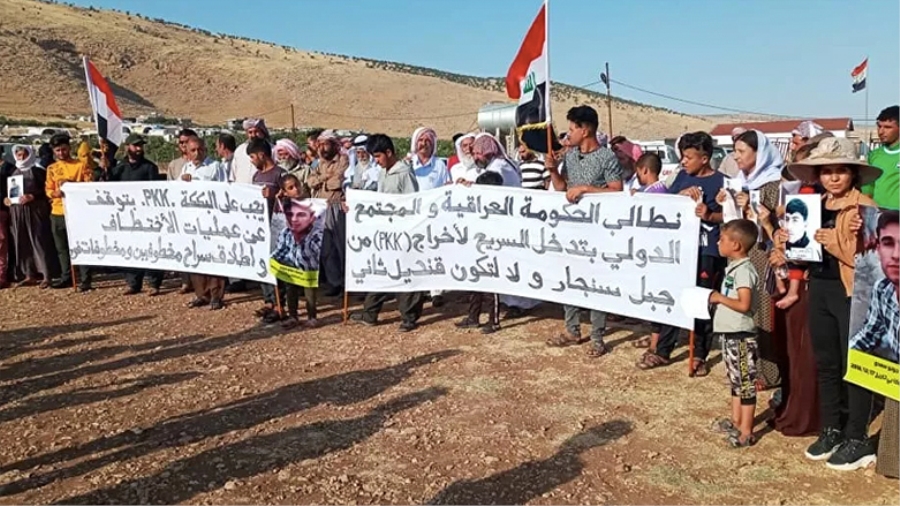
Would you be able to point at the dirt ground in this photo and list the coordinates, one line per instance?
(106, 399)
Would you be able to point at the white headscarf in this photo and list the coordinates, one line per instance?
(768, 168)
(29, 161)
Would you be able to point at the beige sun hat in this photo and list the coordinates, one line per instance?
(834, 151)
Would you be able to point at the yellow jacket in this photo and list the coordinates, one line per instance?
(63, 171)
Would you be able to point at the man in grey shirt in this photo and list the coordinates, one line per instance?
(398, 178)
(586, 168)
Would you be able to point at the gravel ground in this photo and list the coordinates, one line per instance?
(108, 399)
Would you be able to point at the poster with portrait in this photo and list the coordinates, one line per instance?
(15, 188)
(802, 217)
(297, 228)
(872, 358)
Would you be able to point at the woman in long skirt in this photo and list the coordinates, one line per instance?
(30, 222)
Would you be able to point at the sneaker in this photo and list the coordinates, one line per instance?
(466, 323)
(360, 317)
(61, 283)
(852, 455)
(408, 326)
(824, 447)
(131, 291)
(84, 288)
(489, 328)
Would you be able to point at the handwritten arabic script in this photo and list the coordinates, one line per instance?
(629, 255)
(198, 227)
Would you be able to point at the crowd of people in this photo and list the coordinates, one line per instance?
(781, 324)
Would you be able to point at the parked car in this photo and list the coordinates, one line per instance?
(667, 153)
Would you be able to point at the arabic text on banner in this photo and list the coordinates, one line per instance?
(629, 255)
(198, 227)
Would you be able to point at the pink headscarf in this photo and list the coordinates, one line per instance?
(289, 147)
(429, 133)
(631, 149)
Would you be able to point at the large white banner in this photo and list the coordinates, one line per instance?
(197, 227)
(629, 255)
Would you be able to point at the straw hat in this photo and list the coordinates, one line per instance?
(834, 151)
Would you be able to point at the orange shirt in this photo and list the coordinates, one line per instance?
(60, 172)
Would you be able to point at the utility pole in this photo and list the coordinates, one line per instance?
(604, 78)
(293, 123)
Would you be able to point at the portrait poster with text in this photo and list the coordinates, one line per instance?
(629, 255)
(297, 229)
(199, 227)
(872, 359)
(802, 217)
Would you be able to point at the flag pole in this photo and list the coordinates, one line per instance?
(867, 92)
(547, 74)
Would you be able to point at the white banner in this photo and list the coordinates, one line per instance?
(197, 227)
(629, 255)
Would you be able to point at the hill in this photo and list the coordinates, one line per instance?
(177, 70)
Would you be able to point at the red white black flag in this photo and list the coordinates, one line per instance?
(528, 81)
(106, 113)
(859, 75)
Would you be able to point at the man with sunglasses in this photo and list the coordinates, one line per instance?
(173, 171)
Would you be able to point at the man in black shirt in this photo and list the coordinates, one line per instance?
(134, 167)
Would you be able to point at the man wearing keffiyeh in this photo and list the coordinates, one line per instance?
(327, 182)
(242, 169)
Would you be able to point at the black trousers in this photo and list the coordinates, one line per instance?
(841, 404)
(410, 305)
(334, 240)
(135, 278)
(61, 241)
(478, 300)
(292, 294)
(709, 274)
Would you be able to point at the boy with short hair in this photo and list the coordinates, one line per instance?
(699, 181)
(733, 324)
(647, 169)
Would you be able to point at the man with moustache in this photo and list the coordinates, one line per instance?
(242, 168)
(464, 169)
(431, 172)
(173, 171)
(327, 183)
(210, 290)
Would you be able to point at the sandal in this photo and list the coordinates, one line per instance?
(643, 342)
(565, 339)
(699, 369)
(290, 322)
(467, 323)
(44, 285)
(650, 360)
(724, 426)
(598, 349)
(735, 441)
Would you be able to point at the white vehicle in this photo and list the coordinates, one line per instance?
(668, 154)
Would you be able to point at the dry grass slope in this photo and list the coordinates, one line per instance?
(211, 77)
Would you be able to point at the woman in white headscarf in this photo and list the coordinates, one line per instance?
(761, 165)
(30, 222)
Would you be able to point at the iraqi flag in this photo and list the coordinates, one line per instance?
(859, 76)
(106, 112)
(528, 81)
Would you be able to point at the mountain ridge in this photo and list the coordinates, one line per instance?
(167, 67)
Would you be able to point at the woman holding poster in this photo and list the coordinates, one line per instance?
(298, 228)
(30, 221)
(845, 408)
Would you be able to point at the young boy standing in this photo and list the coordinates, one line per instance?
(733, 325)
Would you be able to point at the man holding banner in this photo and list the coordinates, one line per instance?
(588, 168)
(209, 289)
(399, 178)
